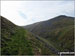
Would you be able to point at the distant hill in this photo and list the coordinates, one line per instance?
(59, 31)
(16, 40)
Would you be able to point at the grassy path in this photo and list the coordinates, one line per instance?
(47, 44)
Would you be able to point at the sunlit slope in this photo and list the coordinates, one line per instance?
(13, 39)
(59, 31)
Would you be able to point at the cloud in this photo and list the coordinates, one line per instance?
(28, 12)
(9, 10)
(22, 14)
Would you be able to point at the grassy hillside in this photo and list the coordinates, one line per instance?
(18, 41)
(59, 31)
(13, 39)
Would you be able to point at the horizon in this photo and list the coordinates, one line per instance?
(39, 21)
(24, 13)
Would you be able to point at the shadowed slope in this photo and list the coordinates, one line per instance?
(59, 31)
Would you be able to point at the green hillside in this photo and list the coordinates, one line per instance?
(17, 41)
(58, 31)
(13, 39)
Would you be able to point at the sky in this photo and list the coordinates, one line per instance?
(23, 13)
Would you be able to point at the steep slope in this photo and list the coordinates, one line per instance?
(59, 31)
(17, 41)
(13, 39)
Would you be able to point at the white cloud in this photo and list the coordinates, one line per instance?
(34, 11)
(9, 10)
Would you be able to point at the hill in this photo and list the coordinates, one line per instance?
(16, 40)
(58, 31)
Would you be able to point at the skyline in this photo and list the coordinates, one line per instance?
(27, 12)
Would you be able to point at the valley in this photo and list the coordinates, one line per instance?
(42, 38)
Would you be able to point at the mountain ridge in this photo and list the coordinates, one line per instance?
(55, 30)
(52, 19)
(16, 40)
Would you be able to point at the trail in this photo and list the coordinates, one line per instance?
(46, 43)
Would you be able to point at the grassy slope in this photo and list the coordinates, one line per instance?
(18, 41)
(59, 31)
(38, 46)
(13, 39)
(63, 39)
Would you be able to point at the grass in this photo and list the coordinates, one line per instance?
(18, 44)
(64, 39)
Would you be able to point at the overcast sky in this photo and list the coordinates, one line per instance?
(27, 12)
